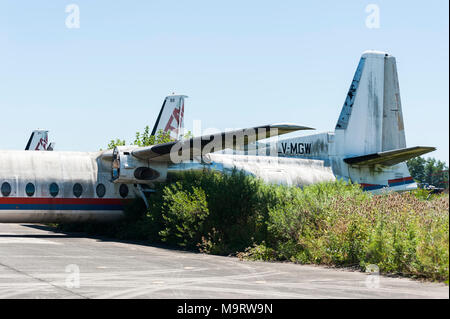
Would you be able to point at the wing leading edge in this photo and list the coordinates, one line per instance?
(188, 149)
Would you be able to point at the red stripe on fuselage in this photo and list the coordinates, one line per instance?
(62, 201)
(397, 180)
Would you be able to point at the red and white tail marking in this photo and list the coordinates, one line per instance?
(170, 118)
(38, 141)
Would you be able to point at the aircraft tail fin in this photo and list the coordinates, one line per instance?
(38, 141)
(171, 117)
(371, 119)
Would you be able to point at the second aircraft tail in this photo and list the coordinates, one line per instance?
(171, 117)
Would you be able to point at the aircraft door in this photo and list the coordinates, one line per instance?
(115, 171)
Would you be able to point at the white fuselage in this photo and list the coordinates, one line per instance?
(85, 191)
(305, 160)
(100, 199)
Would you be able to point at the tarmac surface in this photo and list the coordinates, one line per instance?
(36, 262)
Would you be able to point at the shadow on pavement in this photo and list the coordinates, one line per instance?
(66, 234)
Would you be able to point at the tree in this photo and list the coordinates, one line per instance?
(146, 139)
(429, 171)
(113, 143)
(416, 167)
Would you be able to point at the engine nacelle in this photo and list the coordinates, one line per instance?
(128, 169)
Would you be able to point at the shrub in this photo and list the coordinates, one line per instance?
(397, 232)
(236, 206)
(184, 213)
(333, 223)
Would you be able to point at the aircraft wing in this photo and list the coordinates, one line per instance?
(189, 148)
(389, 158)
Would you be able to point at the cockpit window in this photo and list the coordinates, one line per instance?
(6, 189)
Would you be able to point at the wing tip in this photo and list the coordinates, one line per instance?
(290, 126)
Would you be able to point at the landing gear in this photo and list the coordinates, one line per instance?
(144, 190)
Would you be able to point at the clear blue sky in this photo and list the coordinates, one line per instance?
(242, 63)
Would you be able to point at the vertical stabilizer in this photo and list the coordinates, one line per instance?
(371, 119)
(393, 129)
(38, 141)
(171, 117)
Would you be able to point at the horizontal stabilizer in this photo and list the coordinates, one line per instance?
(189, 148)
(389, 158)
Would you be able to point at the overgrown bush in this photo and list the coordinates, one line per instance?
(397, 232)
(333, 223)
(183, 215)
(234, 211)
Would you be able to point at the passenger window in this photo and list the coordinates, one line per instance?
(77, 190)
(54, 189)
(101, 190)
(123, 190)
(6, 189)
(30, 189)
